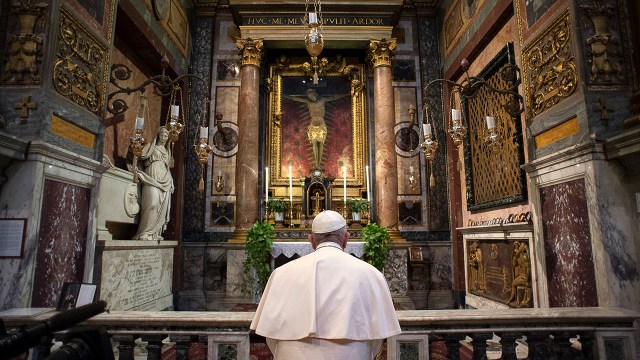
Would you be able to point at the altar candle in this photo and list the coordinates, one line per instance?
(366, 171)
(344, 172)
(455, 115)
(266, 184)
(290, 187)
(426, 129)
(175, 110)
(204, 131)
(219, 173)
(139, 123)
(491, 122)
(411, 169)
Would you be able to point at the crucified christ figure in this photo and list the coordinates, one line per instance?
(317, 129)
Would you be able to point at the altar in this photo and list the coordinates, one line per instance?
(289, 249)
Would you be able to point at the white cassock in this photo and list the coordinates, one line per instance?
(326, 305)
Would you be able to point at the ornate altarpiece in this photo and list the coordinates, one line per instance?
(341, 87)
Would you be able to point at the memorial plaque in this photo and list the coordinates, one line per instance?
(137, 279)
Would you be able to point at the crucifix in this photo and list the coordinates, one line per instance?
(25, 106)
(603, 109)
(317, 197)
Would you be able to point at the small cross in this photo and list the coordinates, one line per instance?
(603, 109)
(25, 106)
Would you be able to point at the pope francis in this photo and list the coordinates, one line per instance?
(328, 304)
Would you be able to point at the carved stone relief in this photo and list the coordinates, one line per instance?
(550, 71)
(80, 68)
(501, 271)
(603, 49)
(25, 38)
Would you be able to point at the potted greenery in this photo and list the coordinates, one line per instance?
(356, 207)
(376, 245)
(256, 266)
(279, 207)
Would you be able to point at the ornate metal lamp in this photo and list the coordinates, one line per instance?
(469, 88)
(163, 85)
(429, 144)
(314, 41)
(137, 141)
(202, 148)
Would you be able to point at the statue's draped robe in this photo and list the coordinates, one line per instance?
(156, 192)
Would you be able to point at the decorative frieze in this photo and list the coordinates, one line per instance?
(81, 64)
(550, 71)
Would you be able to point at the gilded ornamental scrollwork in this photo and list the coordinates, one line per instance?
(24, 42)
(80, 67)
(550, 72)
(250, 51)
(381, 51)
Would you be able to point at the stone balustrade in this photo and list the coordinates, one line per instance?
(558, 333)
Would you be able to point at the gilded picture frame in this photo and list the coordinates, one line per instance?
(288, 133)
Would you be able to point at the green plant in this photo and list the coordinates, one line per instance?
(258, 251)
(357, 205)
(277, 205)
(376, 244)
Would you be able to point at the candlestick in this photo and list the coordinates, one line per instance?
(290, 187)
(204, 131)
(139, 123)
(426, 129)
(366, 168)
(455, 114)
(344, 171)
(491, 122)
(313, 18)
(175, 110)
(266, 184)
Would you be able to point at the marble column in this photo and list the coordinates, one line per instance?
(386, 172)
(247, 157)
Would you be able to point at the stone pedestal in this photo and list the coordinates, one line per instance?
(135, 275)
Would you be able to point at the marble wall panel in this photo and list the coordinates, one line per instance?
(192, 267)
(396, 272)
(215, 270)
(616, 245)
(62, 241)
(235, 277)
(567, 245)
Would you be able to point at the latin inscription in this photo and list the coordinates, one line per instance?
(72, 132)
(326, 21)
(557, 132)
(131, 279)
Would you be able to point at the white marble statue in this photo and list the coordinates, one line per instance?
(157, 186)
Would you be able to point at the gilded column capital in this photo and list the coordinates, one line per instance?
(250, 50)
(381, 51)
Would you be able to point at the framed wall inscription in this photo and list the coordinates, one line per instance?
(74, 295)
(12, 234)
